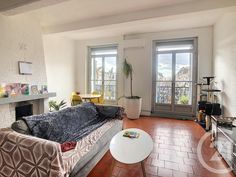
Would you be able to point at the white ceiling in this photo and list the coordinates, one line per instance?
(185, 21)
(15, 7)
(86, 19)
(79, 10)
(9, 4)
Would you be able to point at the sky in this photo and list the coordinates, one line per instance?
(164, 64)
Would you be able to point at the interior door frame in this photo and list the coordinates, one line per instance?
(194, 80)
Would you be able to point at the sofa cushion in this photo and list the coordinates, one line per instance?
(70, 124)
(20, 126)
(113, 112)
(88, 147)
(59, 126)
(91, 106)
(67, 146)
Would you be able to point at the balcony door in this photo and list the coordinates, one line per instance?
(174, 78)
(102, 69)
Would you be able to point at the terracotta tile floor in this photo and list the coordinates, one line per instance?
(174, 153)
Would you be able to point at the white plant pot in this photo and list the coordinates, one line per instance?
(133, 108)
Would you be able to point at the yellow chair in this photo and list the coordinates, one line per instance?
(75, 99)
(100, 100)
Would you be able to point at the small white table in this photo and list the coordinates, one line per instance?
(130, 151)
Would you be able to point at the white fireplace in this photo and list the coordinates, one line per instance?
(8, 105)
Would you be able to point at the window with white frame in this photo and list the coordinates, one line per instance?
(103, 71)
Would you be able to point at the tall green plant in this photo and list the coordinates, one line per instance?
(128, 72)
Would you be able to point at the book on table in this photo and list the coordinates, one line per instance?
(131, 134)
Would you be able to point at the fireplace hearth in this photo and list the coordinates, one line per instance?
(8, 106)
(23, 110)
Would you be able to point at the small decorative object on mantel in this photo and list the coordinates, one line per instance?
(3, 93)
(13, 89)
(44, 89)
(25, 89)
(34, 90)
(25, 68)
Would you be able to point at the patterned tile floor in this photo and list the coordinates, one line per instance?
(174, 153)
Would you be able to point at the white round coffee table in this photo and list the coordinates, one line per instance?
(131, 150)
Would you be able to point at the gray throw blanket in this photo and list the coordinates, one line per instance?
(71, 124)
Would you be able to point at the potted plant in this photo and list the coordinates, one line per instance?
(54, 106)
(133, 103)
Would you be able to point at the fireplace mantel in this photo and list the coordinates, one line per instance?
(22, 98)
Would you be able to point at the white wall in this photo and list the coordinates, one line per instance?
(60, 66)
(225, 61)
(138, 50)
(15, 31)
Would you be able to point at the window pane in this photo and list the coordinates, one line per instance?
(164, 67)
(183, 70)
(103, 71)
(183, 92)
(110, 68)
(163, 92)
(174, 47)
(97, 69)
(96, 86)
(104, 51)
(110, 90)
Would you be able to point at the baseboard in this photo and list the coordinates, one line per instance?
(174, 116)
(145, 113)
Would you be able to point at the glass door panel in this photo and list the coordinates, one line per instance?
(183, 93)
(183, 78)
(110, 77)
(110, 68)
(164, 67)
(183, 67)
(110, 90)
(97, 68)
(103, 71)
(175, 76)
(97, 74)
(164, 78)
(163, 92)
(97, 85)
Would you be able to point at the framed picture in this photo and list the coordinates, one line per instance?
(25, 89)
(34, 90)
(25, 68)
(13, 89)
(44, 89)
